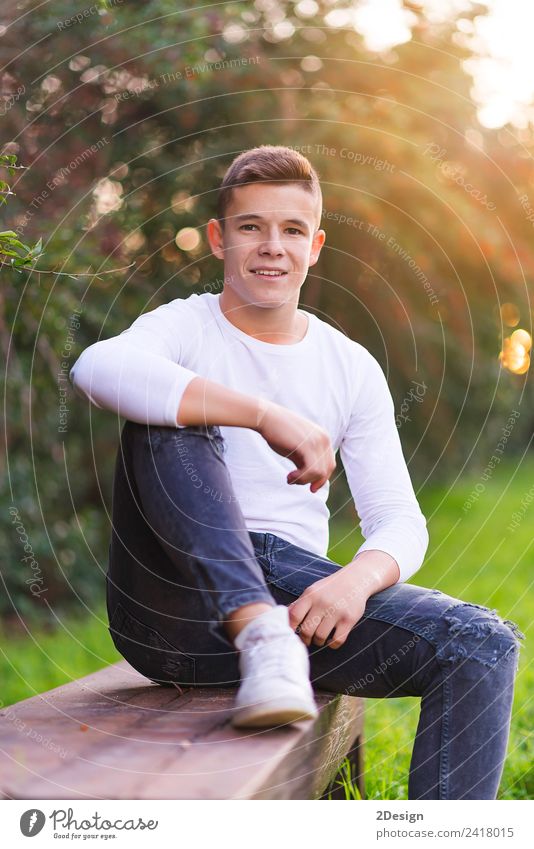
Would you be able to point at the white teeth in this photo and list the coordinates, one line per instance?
(270, 273)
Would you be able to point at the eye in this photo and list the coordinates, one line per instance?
(294, 229)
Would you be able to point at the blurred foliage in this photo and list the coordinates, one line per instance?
(13, 252)
(126, 118)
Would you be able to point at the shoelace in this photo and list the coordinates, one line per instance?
(276, 653)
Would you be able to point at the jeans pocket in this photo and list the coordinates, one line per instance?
(147, 651)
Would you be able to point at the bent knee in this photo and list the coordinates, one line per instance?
(477, 633)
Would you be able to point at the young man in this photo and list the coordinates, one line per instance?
(236, 405)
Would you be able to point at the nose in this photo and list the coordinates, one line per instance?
(272, 245)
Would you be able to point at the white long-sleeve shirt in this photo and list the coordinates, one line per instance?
(141, 375)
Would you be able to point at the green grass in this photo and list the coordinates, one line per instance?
(41, 660)
(472, 556)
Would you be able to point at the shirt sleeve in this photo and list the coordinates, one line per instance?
(137, 374)
(390, 517)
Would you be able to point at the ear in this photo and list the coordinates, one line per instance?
(317, 244)
(215, 237)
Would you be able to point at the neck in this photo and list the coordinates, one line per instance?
(283, 325)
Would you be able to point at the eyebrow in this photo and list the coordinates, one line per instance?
(247, 217)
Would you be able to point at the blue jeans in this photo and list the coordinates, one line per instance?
(181, 560)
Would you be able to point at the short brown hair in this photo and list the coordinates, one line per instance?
(268, 164)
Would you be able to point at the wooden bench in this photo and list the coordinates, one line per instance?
(115, 735)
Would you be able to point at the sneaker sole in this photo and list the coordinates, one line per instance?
(274, 713)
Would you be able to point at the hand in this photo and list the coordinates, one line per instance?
(300, 439)
(335, 603)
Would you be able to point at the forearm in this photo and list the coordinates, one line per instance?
(210, 403)
(149, 388)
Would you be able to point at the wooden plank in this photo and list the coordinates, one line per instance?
(114, 735)
(43, 734)
(295, 762)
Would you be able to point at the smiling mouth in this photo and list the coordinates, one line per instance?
(269, 275)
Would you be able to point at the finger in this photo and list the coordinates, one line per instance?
(340, 636)
(295, 476)
(298, 610)
(318, 484)
(325, 629)
(308, 627)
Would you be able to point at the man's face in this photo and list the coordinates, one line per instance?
(268, 226)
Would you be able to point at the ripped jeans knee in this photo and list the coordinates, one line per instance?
(477, 633)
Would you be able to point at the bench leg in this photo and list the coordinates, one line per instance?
(355, 758)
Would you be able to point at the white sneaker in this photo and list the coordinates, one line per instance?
(275, 684)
